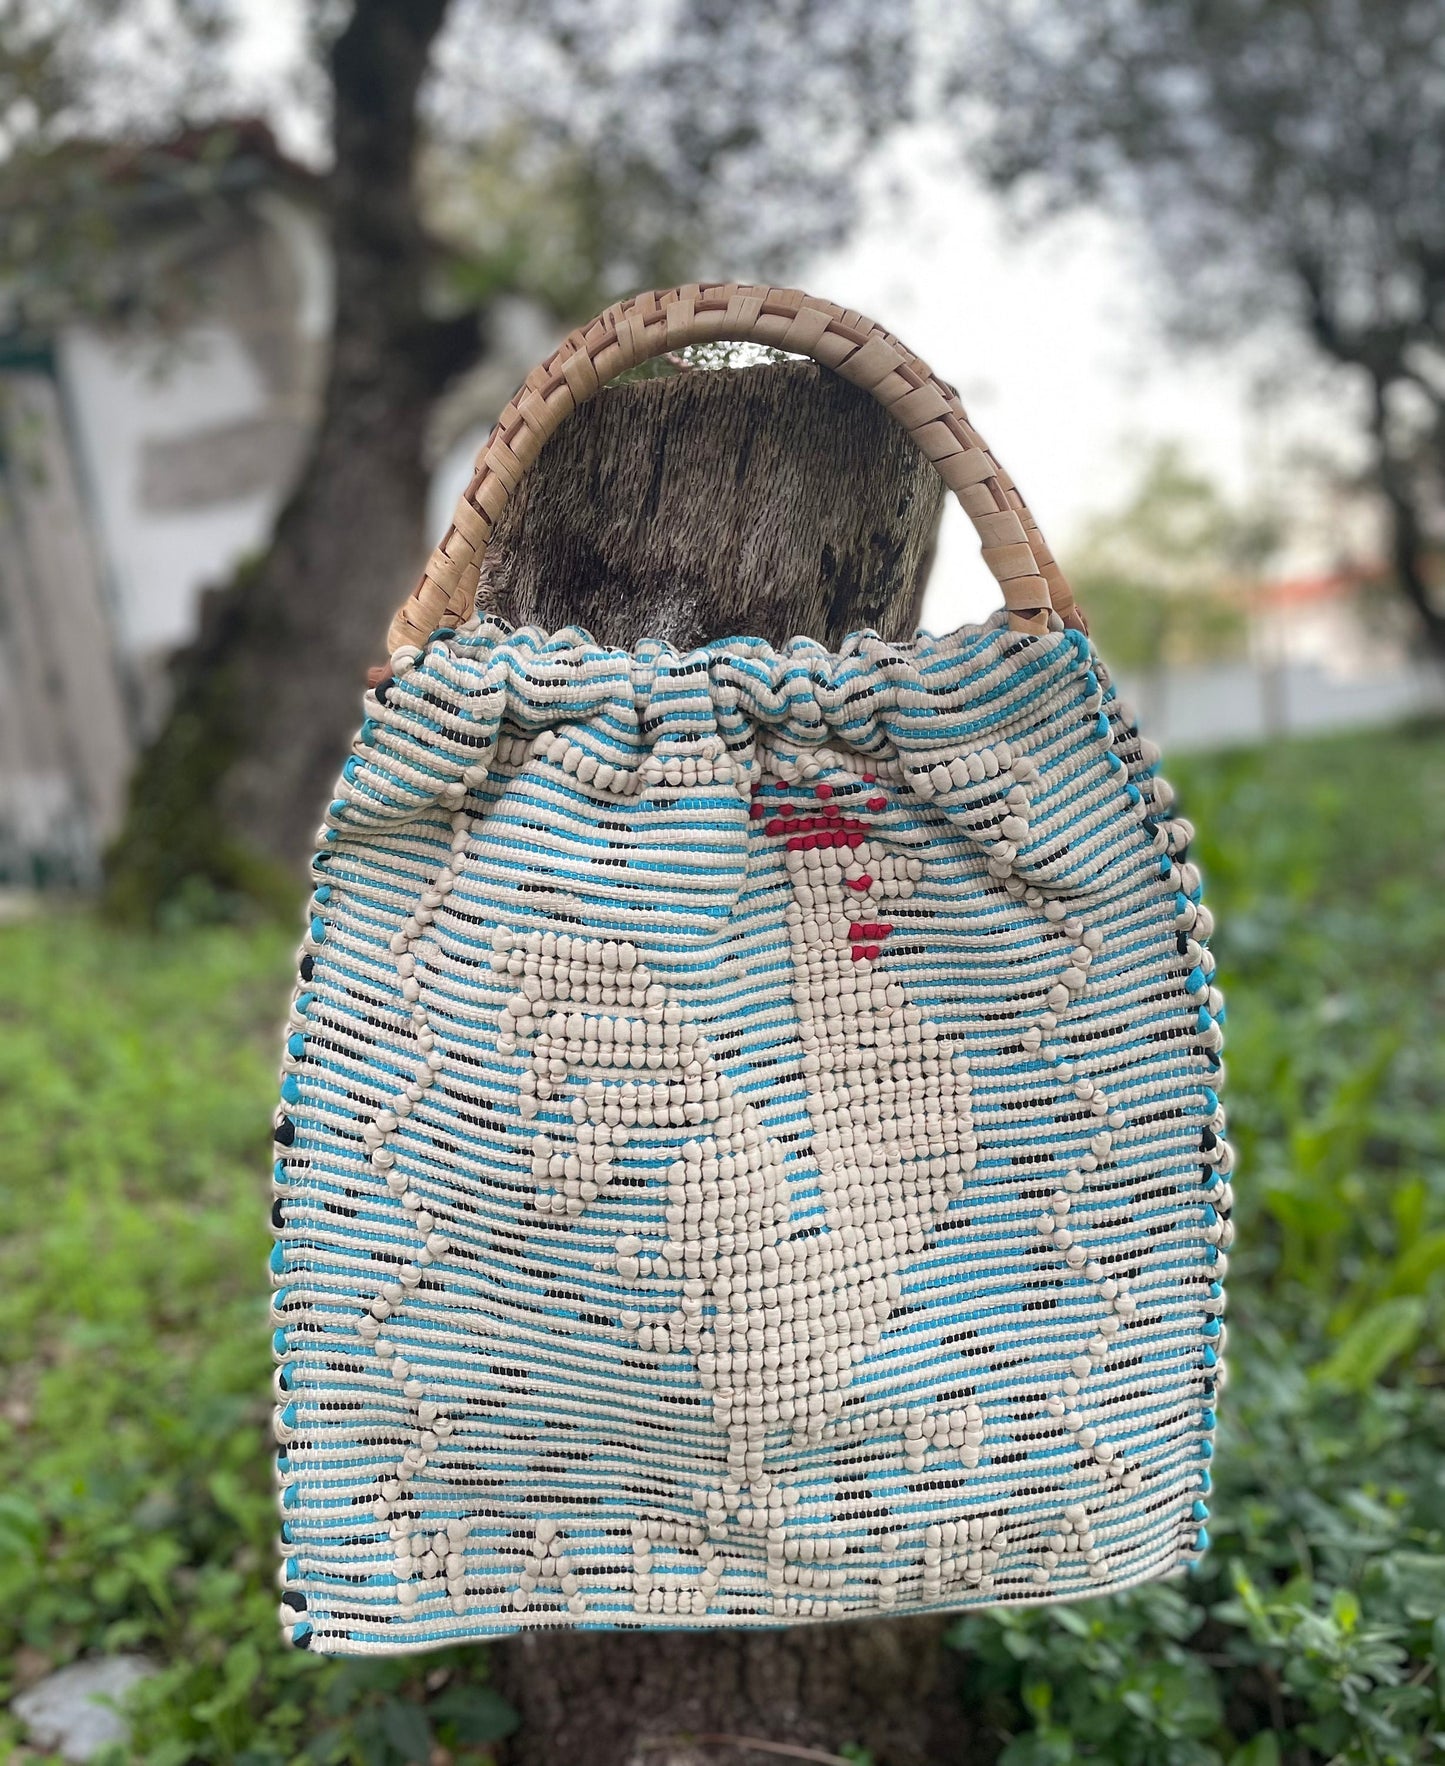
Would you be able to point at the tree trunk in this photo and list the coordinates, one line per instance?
(771, 500)
(737, 1698)
(227, 796)
(1380, 352)
(1409, 546)
(774, 500)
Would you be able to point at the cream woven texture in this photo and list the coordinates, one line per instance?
(749, 1149)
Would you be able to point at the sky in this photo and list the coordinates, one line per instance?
(1052, 335)
(1055, 340)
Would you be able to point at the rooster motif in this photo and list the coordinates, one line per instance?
(779, 1294)
(762, 1178)
(776, 1274)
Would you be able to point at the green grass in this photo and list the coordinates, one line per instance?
(136, 1081)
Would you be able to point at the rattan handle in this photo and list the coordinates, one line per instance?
(649, 325)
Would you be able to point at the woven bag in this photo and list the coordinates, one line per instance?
(749, 1148)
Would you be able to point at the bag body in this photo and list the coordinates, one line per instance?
(749, 1149)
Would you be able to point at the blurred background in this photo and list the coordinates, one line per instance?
(267, 271)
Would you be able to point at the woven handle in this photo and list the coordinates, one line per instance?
(650, 325)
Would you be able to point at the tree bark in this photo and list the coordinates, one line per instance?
(1382, 352)
(1409, 547)
(264, 699)
(737, 1698)
(772, 500)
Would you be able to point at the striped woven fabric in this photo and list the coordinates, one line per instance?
(749, 1148)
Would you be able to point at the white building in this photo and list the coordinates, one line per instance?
(138, 469)
(135, 470)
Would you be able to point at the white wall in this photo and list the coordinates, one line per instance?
(122, 396)
(126, 396)
(1226, 705)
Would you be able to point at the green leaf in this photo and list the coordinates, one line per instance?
(240, 1671)
(1418, 1264)
(371, 1742)
(1038, 1699)
(1045, 1747)
(21, 1526)
(1385, 1333)
(22, 1532)
(476, 1714)
(1177, 1699)
(405, 1726)
(1418, 1580)
(1260, 1750)
(173, 1752)
(231, 1496)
